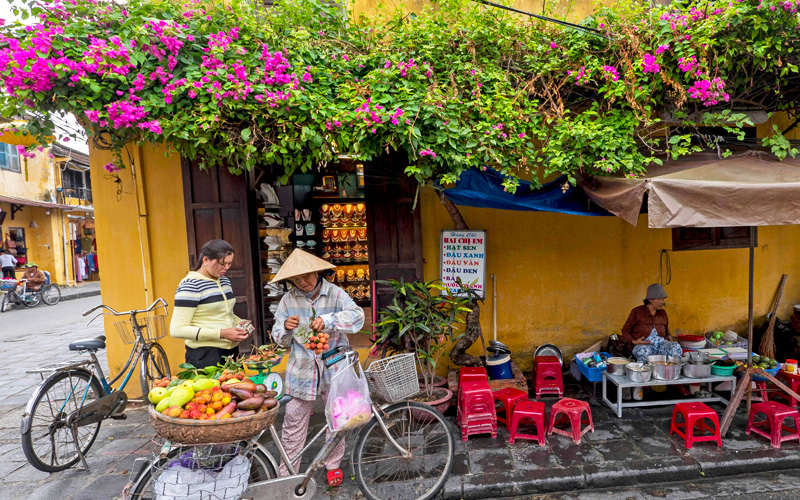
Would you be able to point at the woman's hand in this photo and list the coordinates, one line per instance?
(317, 325)
(291, 323)
(640, 341)
(235, 334)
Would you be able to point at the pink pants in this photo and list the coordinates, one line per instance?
(295, 430)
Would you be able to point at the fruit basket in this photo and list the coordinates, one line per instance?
(188, 431)
(263, 365)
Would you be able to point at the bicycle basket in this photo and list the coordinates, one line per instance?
(7, 285)
(153, 328)
(394, 378)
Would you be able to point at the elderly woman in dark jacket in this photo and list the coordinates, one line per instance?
(646, 332)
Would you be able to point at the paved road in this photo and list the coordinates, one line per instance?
(44, 319)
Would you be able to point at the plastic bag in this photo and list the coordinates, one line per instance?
(348, 404)
(179, 482)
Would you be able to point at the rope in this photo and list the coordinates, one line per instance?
(664, 264)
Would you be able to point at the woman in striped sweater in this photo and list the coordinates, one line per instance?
(203, 309)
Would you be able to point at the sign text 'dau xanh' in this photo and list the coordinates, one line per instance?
(464, 256)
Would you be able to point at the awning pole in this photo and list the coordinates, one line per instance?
(750, 311)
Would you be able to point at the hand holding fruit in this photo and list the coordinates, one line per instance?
(291, 322)
(318, 343)
(318, 325)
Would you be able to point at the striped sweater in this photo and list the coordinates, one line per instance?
(202, 308)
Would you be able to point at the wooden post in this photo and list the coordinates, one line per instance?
(736, 398)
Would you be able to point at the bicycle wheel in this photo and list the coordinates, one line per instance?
(30, 299)
(5, 303)
(382, 473)
(261, 469)
(48, 445)
(50, 294)
(153, 367)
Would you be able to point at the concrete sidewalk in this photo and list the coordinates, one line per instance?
(81, 290)
(634, 450)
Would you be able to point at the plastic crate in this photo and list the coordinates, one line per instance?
(740, 342)
(592, 374)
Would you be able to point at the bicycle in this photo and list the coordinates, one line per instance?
(49, 293)
(405, 451)
(19, 295)
(63, 415)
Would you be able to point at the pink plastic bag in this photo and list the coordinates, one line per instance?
(349, 404)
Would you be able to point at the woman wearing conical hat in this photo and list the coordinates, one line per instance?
(312, 304)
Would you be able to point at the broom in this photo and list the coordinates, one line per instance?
(767, 347)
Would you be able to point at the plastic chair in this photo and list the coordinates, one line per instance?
(476, 412)
(509, 397)
(571, 410)
(534, 411)
(472, 374)
(695, 414)
(547, 376)
(776, 413)
(793, 381)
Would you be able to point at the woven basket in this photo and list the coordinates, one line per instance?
(186, 431)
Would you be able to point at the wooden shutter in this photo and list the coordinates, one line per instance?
(216, 208)
(395, 234)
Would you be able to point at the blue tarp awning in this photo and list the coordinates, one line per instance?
(484, 189)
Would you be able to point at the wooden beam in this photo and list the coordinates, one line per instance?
(733, 405)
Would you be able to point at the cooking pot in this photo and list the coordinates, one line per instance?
(697, 370)
(616, 366)
(665, 368)
(638, 372)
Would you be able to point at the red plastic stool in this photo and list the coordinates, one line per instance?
(776, 413)
(761, 387)
(695, 414)
(476, 413)
(509, 397)
(472, 374)
(547, 370)
(528, 410)
(571, 410)
(793, 381)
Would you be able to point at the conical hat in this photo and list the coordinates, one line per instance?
(300, 262)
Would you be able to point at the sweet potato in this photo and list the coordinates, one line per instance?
(226, 410)
(261, 388)
(241, 394)
(242, 413)
(269, 403)
(247, 385)
(270, 394)
(253, 403)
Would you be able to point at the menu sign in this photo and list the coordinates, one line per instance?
(464, 257)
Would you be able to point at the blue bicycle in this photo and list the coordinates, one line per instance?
(63, 415)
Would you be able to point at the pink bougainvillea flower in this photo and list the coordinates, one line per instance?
(649, 64)
(662, 48)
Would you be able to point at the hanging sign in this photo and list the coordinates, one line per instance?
(464, 257)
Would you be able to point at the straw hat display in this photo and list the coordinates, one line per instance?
(298, 263)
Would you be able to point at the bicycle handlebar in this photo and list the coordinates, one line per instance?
(158, 302)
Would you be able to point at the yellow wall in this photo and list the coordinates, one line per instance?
(142, 258)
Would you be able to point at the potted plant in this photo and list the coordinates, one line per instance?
(425, 318)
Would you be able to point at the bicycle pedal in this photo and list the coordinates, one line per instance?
(119, 416)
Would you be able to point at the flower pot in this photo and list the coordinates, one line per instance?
(438, 381)
(440, 402)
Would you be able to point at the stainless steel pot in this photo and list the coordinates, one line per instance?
(697, 370)
(665, 368)
(638, 372)
(616, 366)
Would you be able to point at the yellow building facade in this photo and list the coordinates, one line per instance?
(30, 206)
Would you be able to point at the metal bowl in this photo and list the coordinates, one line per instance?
(665, 368)
(638, 372)
(549, 350)
(616, 366)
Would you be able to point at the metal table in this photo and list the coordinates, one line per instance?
(623, 382)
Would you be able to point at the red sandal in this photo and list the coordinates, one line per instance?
(335, 477)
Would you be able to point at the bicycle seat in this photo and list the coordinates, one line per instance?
(94, 344)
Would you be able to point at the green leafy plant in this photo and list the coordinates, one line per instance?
(425, 318)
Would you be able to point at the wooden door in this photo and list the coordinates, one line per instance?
(395, 235)
(216, 208)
